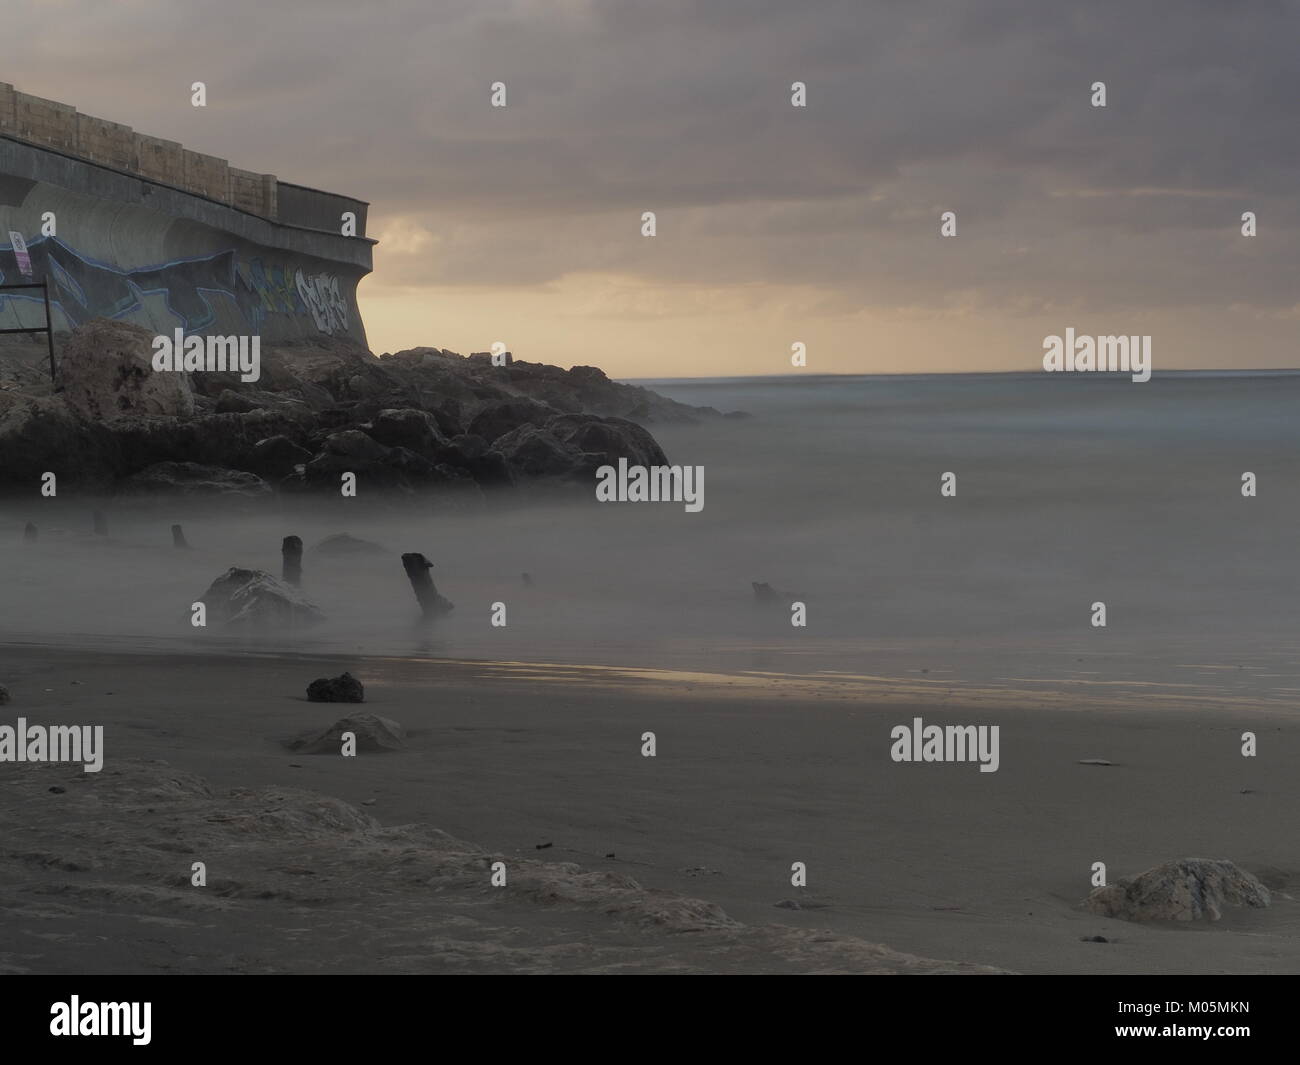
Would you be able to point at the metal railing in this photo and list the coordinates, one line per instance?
(47, 328)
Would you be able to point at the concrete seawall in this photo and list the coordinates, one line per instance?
(138, 249)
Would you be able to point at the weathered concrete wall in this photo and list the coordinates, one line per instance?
(63, 128)
(150, 252)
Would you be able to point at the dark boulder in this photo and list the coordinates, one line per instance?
(275, 457)
(353, 443)
(605, 440)
(210, 439)
(500, 417)
(345, 688)
(415, 430)
(535, 452)
(40, 433)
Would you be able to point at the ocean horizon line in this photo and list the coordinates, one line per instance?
(1117, 374)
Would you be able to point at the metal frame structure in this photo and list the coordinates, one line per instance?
(47, 328)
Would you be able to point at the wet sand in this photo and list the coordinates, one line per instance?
(754, 771)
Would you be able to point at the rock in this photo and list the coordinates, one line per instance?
(604, 441)
(252, 598)
(232, 402)
(345, 688)
(766, 595)
(107, 373)
(193, 479)
(276, 457)
(412, 469)
(4, 695)
(1191, 889)
(415, 430)
(39, 433)
(354, 444)
(343, 544)
(466, 446)
(247, 400)
(487, 466)
(373, 733)
(350, 451)
(536, 452)
(498, 418)
(449, 415)
(210, 440)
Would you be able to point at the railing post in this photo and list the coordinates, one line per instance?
(49, 325)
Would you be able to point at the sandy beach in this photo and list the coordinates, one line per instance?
(541, 767)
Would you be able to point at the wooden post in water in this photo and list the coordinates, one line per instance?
(291, 556)
(417, 572)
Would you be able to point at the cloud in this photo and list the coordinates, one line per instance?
(683, 108)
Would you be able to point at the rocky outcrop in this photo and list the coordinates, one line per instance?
(193, 479)
(210, 439)
(1193, 889)
(377, 467)
(41, 433)
(421, 422)
(106, 372)
(500, 417)
(249, 598)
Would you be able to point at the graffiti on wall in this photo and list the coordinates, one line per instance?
(320, 292)
(193, 291)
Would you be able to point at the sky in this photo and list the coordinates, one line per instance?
(775, 224)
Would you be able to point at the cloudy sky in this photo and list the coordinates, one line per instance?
(775, 224)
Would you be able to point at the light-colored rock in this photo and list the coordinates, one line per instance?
(1191, 889)
(373, 733)
(107, 373)
(343, 544)
(252, 598)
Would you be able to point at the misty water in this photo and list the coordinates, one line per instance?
(1070, 490)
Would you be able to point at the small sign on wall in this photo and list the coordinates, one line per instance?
(20, 253)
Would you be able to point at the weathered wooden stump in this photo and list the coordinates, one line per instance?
(417, 571)
(291, 554)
